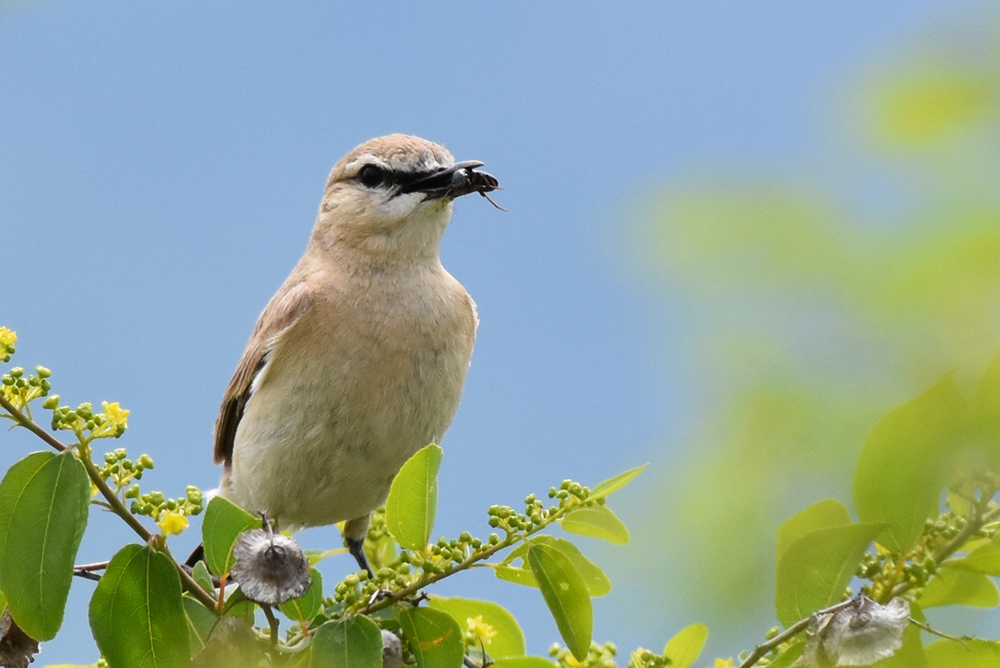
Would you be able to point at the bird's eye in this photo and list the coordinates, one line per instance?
(371, 176)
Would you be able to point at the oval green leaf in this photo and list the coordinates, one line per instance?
(233, 644)
(349, 643)
(515, 574)
(304, 608)
(200, 620)
(224, 522)
(434, 637)
(509, 639)
(524, 662)
(685, 647)
(137, 613)
(615, 483)
(954, 585)
(984, 559)
(44, 499)
(814, 570)
(565, 594)
(203, 577)
(904, 463)
(969, 653)
(820, 515)
(594, 578)
(596, 521)
(412, 503)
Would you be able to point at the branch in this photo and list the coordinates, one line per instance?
(30, 425)
(115, 504)
(512, 538)
(798, 627)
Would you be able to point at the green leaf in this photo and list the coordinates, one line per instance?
(789, 656)
(523, 662)
(685, 647)
(515, 574)
(201, 575)
(904, 463)
(953, 585)
(412, 502)
(984, 559)
(820, 515)
(986, 409)
(233, 644)
(566, 595)
(305, 608)
(200, 621)
(434, 637)
(349, 643)
(594, 578)
(224, 522)
(815, 569)
(508, 641)
(137, 613)
(598, 522)
(966, 654)
(615, 483)
(44, 499)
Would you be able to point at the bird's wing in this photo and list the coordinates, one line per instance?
(283, 311)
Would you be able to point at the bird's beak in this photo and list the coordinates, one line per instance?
(455, 181)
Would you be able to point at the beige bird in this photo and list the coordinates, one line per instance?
(360, 358)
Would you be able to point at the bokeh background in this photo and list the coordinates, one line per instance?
(738, 234)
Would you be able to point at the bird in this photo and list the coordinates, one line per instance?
(360, 358)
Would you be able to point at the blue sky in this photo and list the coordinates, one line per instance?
(161, 166)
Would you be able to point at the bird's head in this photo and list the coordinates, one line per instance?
(394, 195)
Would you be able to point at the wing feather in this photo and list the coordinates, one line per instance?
(284, 310)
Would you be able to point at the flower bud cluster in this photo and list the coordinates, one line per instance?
(110, 423)
(155, 504)
(643, 658)
(170, 514)
(19, 389)
(599, 656)
(919, 565)
(7, 341)
(120, 470)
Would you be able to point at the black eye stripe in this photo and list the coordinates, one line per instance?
(374, 176)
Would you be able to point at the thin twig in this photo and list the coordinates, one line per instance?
(930, 629)
(99, 566)
(761, 651)
(272, 623)
(30, 425)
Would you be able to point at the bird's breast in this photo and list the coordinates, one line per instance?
(349, 392)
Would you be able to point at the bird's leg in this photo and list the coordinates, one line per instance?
(355, 532)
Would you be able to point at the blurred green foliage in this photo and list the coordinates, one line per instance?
(810, 315)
